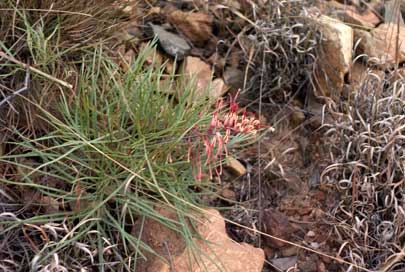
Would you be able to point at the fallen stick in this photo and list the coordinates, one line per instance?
(18, 92)
(35, 70)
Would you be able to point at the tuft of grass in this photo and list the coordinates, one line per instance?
(115, 152)
(83, 165)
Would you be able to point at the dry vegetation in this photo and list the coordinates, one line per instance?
(91, 140)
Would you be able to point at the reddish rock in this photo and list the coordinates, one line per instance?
(197, 26)
(380, 45)
(276, 224)
(199, 71)
(217, 249)
(350, 15)
(335, 58)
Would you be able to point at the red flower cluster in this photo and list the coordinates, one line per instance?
(218, 134)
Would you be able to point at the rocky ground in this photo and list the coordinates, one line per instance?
(324, 189)
(335, 52)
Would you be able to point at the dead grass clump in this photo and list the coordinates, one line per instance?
(285, 51)
(51, 37)
(368, 168)
(77, 22)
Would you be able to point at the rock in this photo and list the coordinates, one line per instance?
(289, 251)
(349, 14)
(380, 44)
(311, 234)
(171, 43)
(285, 263)
(235, 166)
(197, 26)
(276, 223)
(367, 19)
(270, 252)
(335, 56)
(314, 245)
(219, 250)
(154, 57)
(199, 71)
(392, 11)
(218, 88)
(228, 194)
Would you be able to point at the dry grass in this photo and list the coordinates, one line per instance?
(284, 53)
(51, 37)
(368, 169)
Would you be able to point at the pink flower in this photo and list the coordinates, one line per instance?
(217, 135)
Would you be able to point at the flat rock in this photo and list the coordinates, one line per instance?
(285, 263)
(367, 19)
(196, 26)
(380, 44)
(350, 15)
(171, 43)
(335, 56)
(218, 253)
